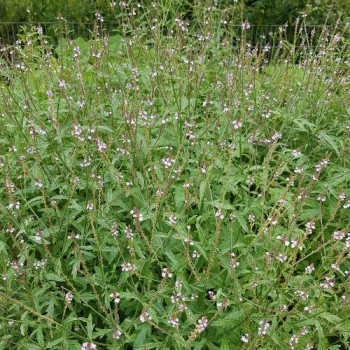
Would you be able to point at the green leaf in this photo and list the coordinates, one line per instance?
(99, 333)
(331, 141)
(179, 197)
(331, 318)
(53, 343)
(242, 222)
(202, 188)
(228, 320)
(53, 277)
(142, 336)
(89, 326)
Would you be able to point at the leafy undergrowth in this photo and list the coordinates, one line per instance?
(165, 190)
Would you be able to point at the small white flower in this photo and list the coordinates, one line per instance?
(245, 25)
(172, 219)
(338, 235)
(117, 334)
(69, 297)
(237, 124)
(220, 214)
(178, 284)
(136, 214)
(347, 204)
(128, 233)
(302, 295)
(245, 338)
(283, 307)
(145, 316)
(168, 162)
(114, 230)
(128, 267)
(328, 284)
(189, 240)
(309, 269)
(296, 153)
(166, 273)
(195, 254)
(234, 263)
(282, 257)
(14, 205)
(62, 84)
(88, 346)
(39, 183)
(202, 324)
(251, 218)
(115, 296)
(310, 226)
(321, 198)
(335, 267)
(174, 321)
(90, 206)
(264, 325)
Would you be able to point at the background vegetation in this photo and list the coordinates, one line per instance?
(171, 186)
(259, 12)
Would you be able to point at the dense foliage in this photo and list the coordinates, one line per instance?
(175, 189)
(260, 13)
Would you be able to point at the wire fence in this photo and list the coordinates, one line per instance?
(260, 36)
(10, 31)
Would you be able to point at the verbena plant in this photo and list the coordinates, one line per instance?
(175, 187)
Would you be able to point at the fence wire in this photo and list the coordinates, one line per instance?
(258, 36)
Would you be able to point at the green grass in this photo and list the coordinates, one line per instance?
(206, 184)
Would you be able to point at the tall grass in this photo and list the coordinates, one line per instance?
(175, 186)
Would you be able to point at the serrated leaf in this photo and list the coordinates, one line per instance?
(89, 326)
(179, 197)
(227, 321)
(331, 318)
(142, 336)
(242, 222)
(53, 277)
(331, 141)
(53, 343)
(202, 188)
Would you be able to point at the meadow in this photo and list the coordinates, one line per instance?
(174, 185)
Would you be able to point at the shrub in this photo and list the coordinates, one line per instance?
(173, 187)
